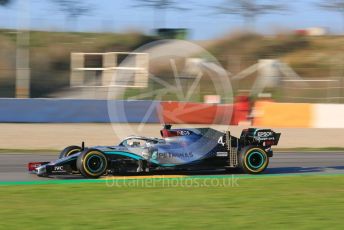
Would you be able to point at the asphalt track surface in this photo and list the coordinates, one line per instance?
(13, 166)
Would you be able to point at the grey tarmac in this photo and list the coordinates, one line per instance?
(13, 166)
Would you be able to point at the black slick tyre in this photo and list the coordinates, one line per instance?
(253, 160)
(70, 150)
(92, 163)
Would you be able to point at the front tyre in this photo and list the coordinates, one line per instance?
(70, 150)
(92, 163)
(253, 160)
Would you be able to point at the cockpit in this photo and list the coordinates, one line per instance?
(140, 142)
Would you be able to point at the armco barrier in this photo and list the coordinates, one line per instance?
(294, 115)
(195, 113)
(76, 111)
(328, 116)
(79, 111)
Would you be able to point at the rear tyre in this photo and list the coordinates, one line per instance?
(92, 163)
(253, 160)
(70, 150)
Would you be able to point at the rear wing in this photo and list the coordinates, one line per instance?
(266, 137)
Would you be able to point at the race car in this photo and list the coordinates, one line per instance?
(178, 149)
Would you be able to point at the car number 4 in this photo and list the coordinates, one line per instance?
(220, 141)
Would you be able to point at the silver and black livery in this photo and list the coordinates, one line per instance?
(178, 149)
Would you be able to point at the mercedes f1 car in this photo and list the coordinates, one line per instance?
(178, 149)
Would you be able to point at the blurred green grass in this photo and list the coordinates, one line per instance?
(302, 202)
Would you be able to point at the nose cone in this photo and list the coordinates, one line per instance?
(42, 170)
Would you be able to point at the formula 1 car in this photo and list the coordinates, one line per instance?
(178, 149)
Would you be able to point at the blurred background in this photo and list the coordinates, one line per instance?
(94, 72)
(276, 51)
